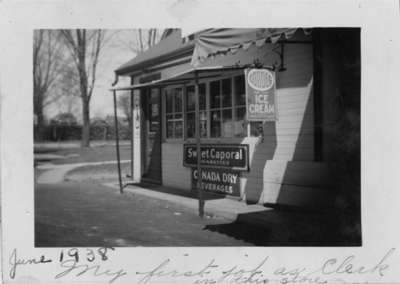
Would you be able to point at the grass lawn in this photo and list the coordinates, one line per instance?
(97, 173)
(85, 155)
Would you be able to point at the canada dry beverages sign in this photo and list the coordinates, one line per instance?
(218, 181)
(260, 95)
(220, 166)
(226, 156)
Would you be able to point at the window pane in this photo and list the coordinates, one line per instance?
(190, 98)
(190, 126)
(169, 101)
(215, 101)
(202, 96)
(215, 123)
(178, 100)
(227, 123)
(203, 124)
(255, 128)
(178, 129)
(240, 124)
(226, 93)
(240, 91)
(170, 129)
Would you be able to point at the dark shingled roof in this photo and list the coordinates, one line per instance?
(158, 53)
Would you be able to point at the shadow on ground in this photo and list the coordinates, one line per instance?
(179, 192)
(284, 228)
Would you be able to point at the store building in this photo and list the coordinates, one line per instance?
(282, 161)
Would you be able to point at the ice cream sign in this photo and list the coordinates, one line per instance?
(260, 95)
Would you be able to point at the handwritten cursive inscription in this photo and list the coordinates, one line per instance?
(161, 270)
(347, 266)
(72, 266)
(15, 262)
(335, 268)
(331, 269)
(254, 275)
(91, 263)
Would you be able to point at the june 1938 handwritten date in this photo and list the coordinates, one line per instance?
(73, 262)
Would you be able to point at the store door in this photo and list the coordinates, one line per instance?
(151, 133)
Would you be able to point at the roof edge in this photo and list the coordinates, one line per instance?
(156, 60)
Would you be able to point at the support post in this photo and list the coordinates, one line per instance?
(197, 131)
(132, 129)
(117, 142)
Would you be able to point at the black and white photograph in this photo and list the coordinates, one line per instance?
(120, 115)
(199, 142)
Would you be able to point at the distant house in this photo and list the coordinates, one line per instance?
(64, 119)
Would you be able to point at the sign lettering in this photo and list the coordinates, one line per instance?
(218, 181)
(260, 95)
(228, 156)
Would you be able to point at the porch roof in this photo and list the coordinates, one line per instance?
(181, 78)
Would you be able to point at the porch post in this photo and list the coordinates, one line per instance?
(131, 129)
(197, 131)
(117, 142)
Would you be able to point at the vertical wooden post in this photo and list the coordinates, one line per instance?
(117, 142)
(197, 131)
(132, 129)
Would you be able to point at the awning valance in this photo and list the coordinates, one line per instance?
(219, 41)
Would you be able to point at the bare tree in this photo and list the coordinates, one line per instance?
(124, 103)
(85, 47)
(141, 39)
(46, 66)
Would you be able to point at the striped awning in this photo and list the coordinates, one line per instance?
(221, 41)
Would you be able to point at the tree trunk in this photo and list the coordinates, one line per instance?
(40, 124)
(86, 124)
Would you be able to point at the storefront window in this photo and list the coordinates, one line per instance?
(174, 113)
(190, 110)
(240, 127)
(240, 91)
(215, 97)
(222, 113)
(227, 93)
(215, 123)
(221, 122)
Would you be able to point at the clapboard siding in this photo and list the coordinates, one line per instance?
(295, 109)
(298, 196)
(289, 131)
(289, 138)
(311, 174)
(282, 160)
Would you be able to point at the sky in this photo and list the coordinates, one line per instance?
(115, 53)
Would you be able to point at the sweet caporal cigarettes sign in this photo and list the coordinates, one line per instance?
(260, 95)
(228, 156)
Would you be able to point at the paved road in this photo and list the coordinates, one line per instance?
(81, 214)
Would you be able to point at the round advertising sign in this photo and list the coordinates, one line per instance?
(260, 79)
